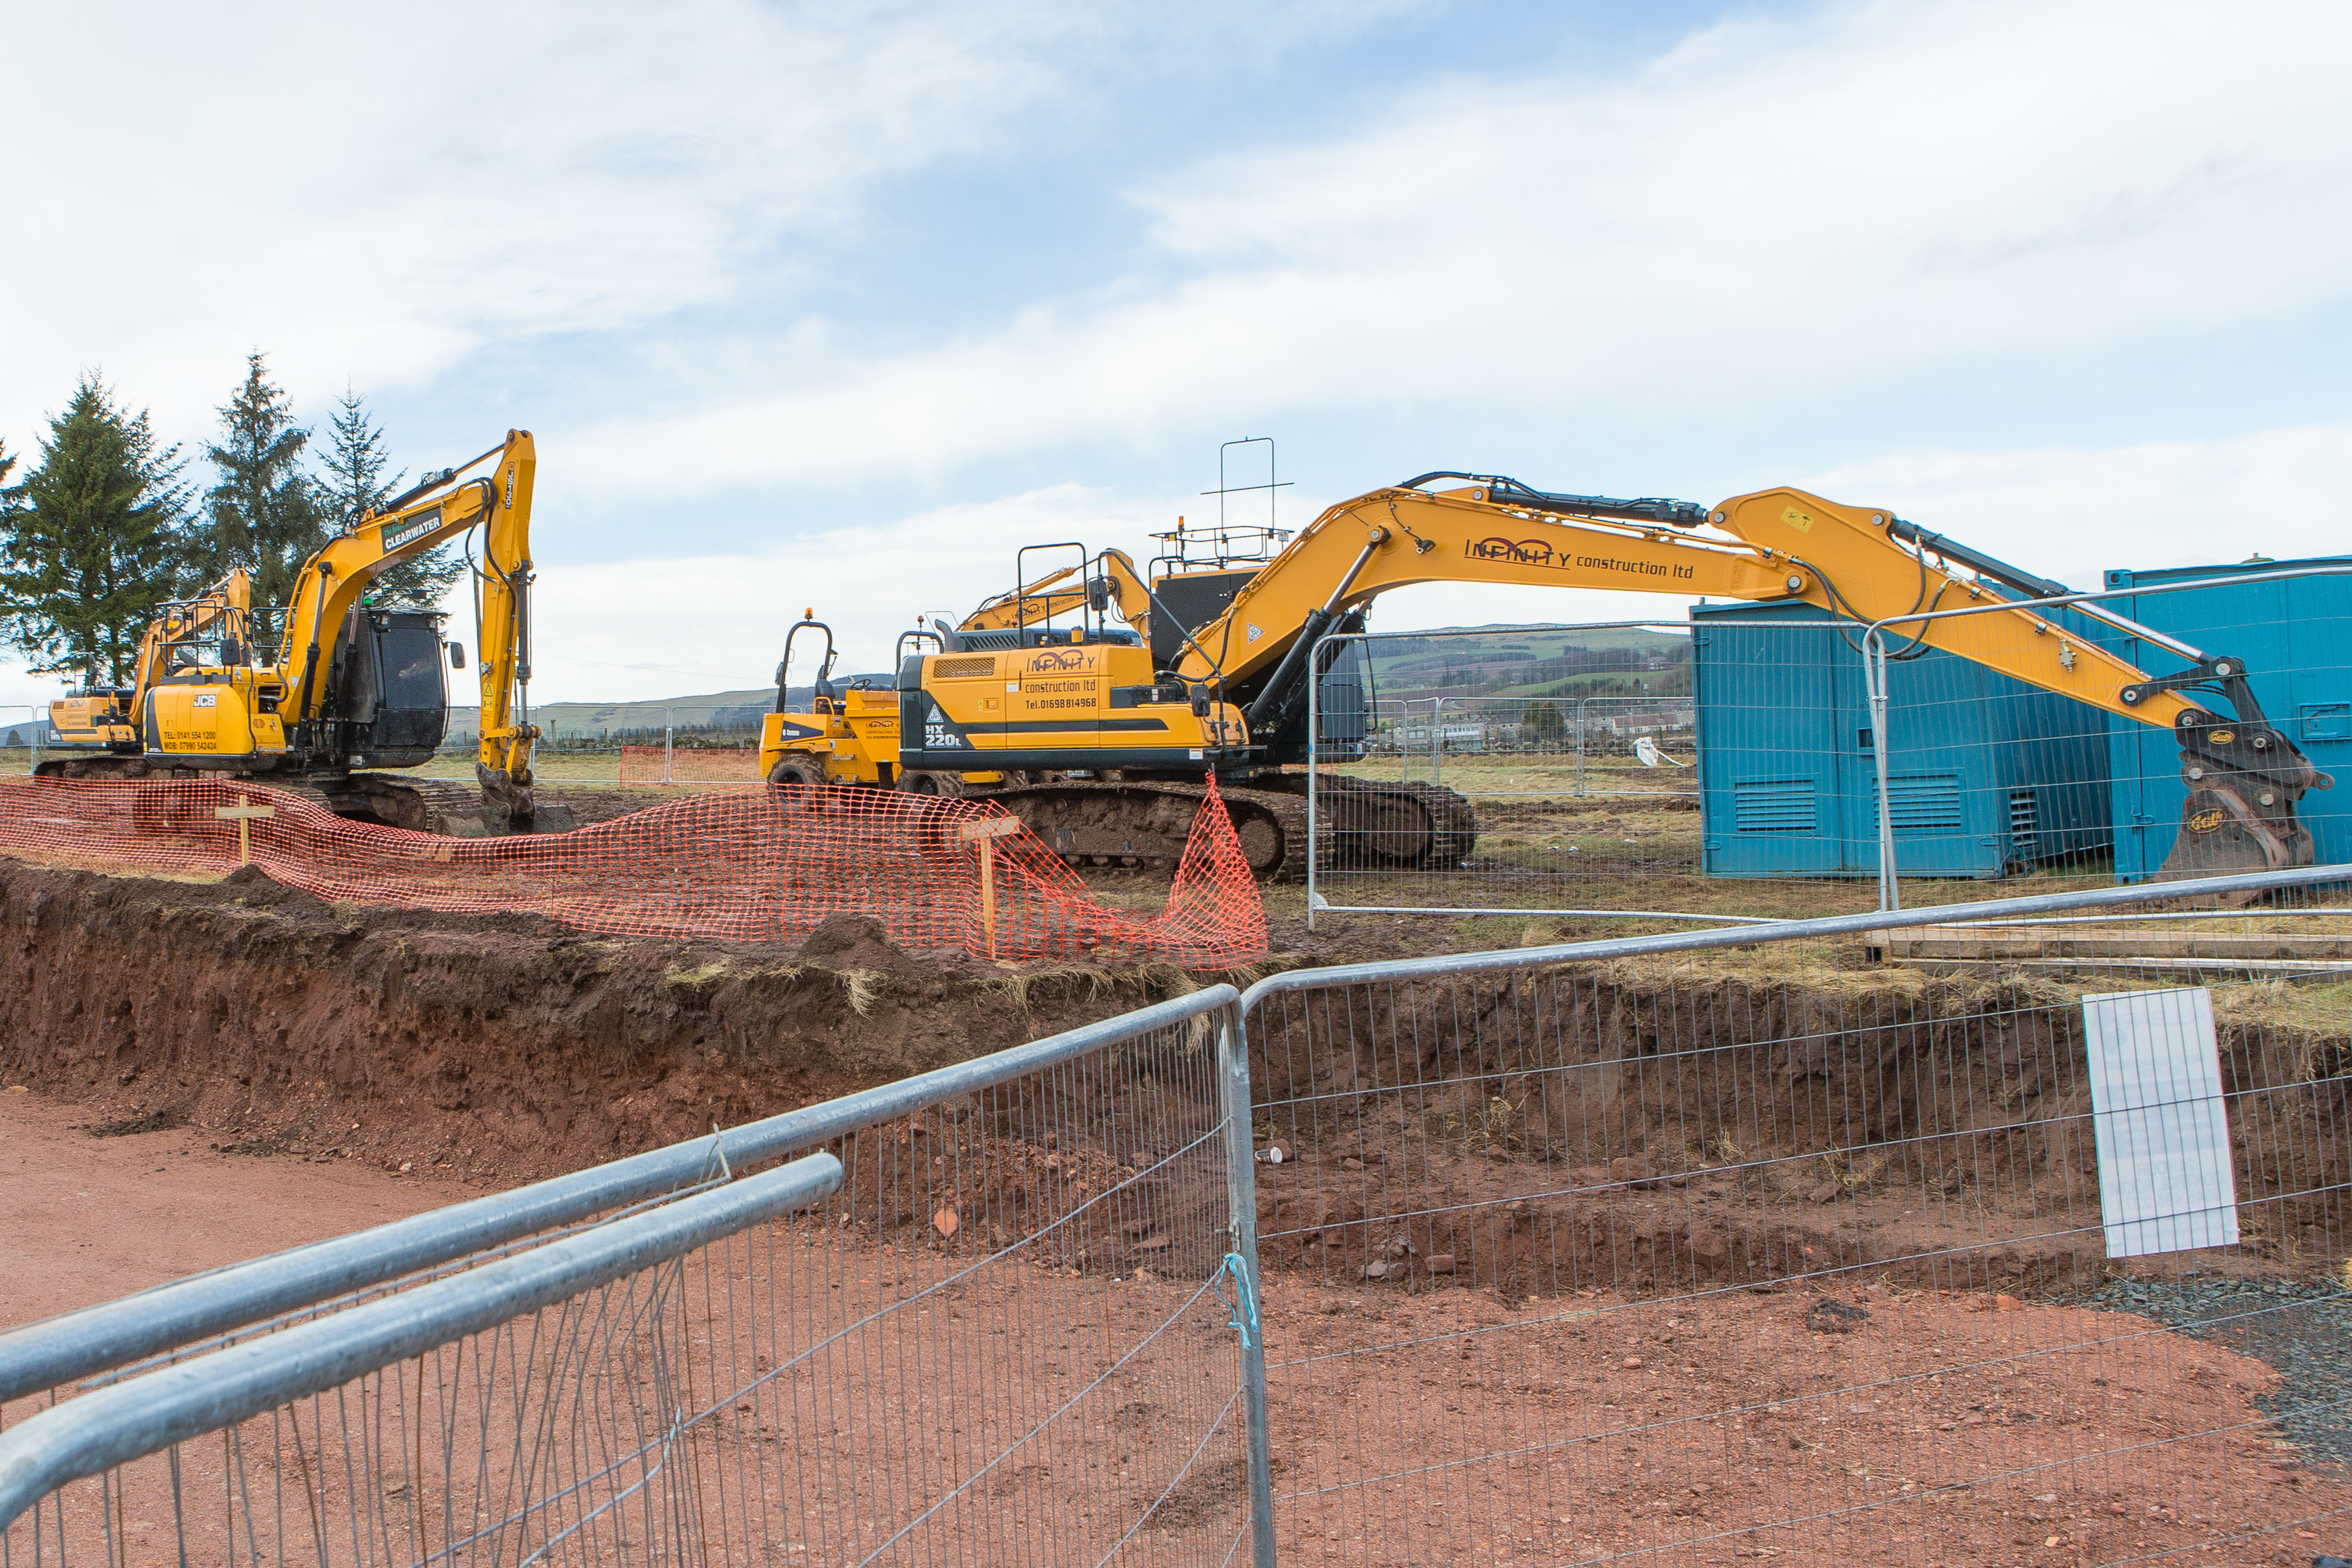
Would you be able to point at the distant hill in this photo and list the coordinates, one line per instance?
(1468, 661)
(591, 720)
(1514, 661)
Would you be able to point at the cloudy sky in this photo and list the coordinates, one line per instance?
(839, 304)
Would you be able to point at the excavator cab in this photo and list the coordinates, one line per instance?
(390, 686)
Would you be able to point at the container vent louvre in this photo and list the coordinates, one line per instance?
(1774, 806)
(1922, 802)
(2024, 817)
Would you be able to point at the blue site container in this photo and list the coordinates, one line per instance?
(2294, 635)
(1987, 776)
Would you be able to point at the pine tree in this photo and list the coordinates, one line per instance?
(264, 514)
(93, 541)
(354, 481)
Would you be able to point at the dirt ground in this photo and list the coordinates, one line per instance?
(1924, 1428)
(197, 1072)
(98, 1210)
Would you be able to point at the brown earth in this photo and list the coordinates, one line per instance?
(98, 1210)
(499, 1047)
(1629, 1129)
(1931, 1428)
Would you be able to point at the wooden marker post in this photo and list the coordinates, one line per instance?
(243, 813)
(985, 835)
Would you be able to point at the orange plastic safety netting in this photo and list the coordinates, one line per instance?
(763, 863)
(688, 764)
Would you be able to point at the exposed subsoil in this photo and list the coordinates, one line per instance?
(1441, 1428)
(495, 1047)
(213, 1071)
(1607, 1127)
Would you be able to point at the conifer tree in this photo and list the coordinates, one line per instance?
(264, 514)
(353, 481)
(93, 541)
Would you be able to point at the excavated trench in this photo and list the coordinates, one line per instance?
(495, 1047)
(1610, 1129)
(1599, 1126)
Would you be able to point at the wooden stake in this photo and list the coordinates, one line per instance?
(243, 813)
(985, 834)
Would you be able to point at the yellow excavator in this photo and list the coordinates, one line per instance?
(1212, 672)
(351, 686)
(103, 718)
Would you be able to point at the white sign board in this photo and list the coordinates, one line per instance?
(2164, 1179)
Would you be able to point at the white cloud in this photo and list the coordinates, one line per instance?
(637, 629)
(377, 194)
(675, 625)
(2074, 514)
(1768, 212)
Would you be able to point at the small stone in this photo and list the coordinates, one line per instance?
(1376, 1270)
(1631, 1169)
(945, 1222)
(2005, 1304)
(406, 1166)
(1152, 1244)
(1631, 1364)
(1441, 1263)
(1827, 1192)
(1351, 1164)
(1053, 1162)
(2118, 1507)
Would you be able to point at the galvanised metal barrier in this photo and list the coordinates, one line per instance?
(1819, 764)
(1887, 1238)
(1979, 772)
(1000, 1312)
(1801, 1240)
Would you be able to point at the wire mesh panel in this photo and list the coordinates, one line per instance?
(1985, 768)
(1702, 768)
(1802, 1250)
(1007, 1334)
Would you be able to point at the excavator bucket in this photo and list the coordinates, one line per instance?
(508, 805)
(2244, 782)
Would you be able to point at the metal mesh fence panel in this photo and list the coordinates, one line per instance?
(1803, 1250)
(1748, 781)
(1708, 770)
(2054, 788)
(1006, 1336)
(690, 765)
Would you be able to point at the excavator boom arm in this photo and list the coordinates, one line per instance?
(1772, 545)
(333, 581)
(1115, 582)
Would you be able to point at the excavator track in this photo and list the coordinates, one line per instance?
(1093, 822)
(1106, 822)
(442, 806)
(1399, 825)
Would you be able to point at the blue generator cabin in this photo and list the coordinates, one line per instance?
(2295, 635)
(1988, 776)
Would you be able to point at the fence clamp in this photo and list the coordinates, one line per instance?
(1243, 1302)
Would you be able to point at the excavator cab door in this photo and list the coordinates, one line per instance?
(393, 694)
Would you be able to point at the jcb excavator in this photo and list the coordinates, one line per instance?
(104, 718)
(351, 687)
(1214, 672)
